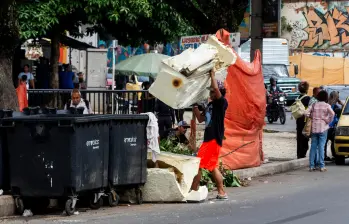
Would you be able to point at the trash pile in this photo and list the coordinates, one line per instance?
(184, 78)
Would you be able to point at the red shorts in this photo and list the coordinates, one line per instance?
(209, 155)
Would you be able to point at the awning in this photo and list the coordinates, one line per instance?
(70, 42)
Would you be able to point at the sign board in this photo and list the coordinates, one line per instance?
(96, 68)
(195, 41)
(271, 18)
(33, 52)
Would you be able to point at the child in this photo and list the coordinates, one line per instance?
(22, 93)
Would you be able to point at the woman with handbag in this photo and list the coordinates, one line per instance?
(302, 141)
(321, 115)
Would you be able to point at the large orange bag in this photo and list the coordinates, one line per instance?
(244, 119)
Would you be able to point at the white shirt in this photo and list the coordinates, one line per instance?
(81, 104)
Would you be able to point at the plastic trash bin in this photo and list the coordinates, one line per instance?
(58, 156)
(127, 155)
(4, 157)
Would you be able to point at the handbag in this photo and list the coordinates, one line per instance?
(307, 127)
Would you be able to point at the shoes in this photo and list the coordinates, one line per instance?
(323, 169)
(312, 169)
(222, 197)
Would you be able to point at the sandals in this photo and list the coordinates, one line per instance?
(222, 197)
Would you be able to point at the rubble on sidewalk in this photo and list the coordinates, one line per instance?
(171, 182)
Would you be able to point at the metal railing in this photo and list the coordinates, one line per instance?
(100, 101)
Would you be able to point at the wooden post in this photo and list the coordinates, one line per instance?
(192, 140)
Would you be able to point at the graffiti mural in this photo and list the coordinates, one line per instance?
(317, 24)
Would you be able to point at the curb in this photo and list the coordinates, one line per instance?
(272, 168)
(7, 206)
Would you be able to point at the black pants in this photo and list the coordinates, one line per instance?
(165, 123)
(179, 115)
(330, 137)
(302, 141)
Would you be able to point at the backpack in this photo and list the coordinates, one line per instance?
(86, 103)
(297, 108)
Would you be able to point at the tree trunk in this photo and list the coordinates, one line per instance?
(55, 39)
(9, 39)
(8, 96)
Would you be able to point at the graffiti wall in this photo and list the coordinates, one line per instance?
(316, 24)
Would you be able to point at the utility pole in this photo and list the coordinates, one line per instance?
(256, 27)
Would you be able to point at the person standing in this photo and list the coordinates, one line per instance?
(213, 138)
(43, 74)
(302, 141)
(333, 102)
(30, 77)
(179, 115)
(313, 99)
(147, 103)
(166, 118)
(21, 91)
(321, 115)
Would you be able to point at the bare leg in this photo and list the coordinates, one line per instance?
(196, 182)
(218, 178)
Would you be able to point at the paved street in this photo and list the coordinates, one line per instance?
(298, 197)
(289, 126)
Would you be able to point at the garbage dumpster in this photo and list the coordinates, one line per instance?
(58, 156)
(127, 155)
(4, 157)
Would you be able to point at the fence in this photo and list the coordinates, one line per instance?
(101, 101)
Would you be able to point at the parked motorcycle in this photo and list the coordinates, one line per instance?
(276, 108)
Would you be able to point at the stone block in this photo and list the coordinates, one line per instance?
(172, 180)
(162, 186)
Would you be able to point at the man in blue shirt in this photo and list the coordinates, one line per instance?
(66, 78)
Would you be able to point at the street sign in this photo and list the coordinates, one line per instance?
(195, 41)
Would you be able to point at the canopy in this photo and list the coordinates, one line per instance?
(142, 65)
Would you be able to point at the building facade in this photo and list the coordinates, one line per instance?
(316, 24)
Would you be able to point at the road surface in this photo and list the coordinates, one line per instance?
(289, 126)
(298, 197)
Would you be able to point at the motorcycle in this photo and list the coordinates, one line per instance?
(276, 108)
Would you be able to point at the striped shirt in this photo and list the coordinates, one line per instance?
(321, 114)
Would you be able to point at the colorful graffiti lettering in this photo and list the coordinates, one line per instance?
(330, 28)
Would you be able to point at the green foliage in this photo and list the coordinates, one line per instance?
(167, 145)
(229, 178)
(36, 19)
(130, 21)
(285, 26)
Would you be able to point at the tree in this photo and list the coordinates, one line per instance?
(52, 18)
(216, 14)
(9, 39)
(130, 21)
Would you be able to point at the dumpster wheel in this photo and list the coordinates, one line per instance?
(139, 194)
(19, 205)
(113, 199)
(69, 207)
(96, 205)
